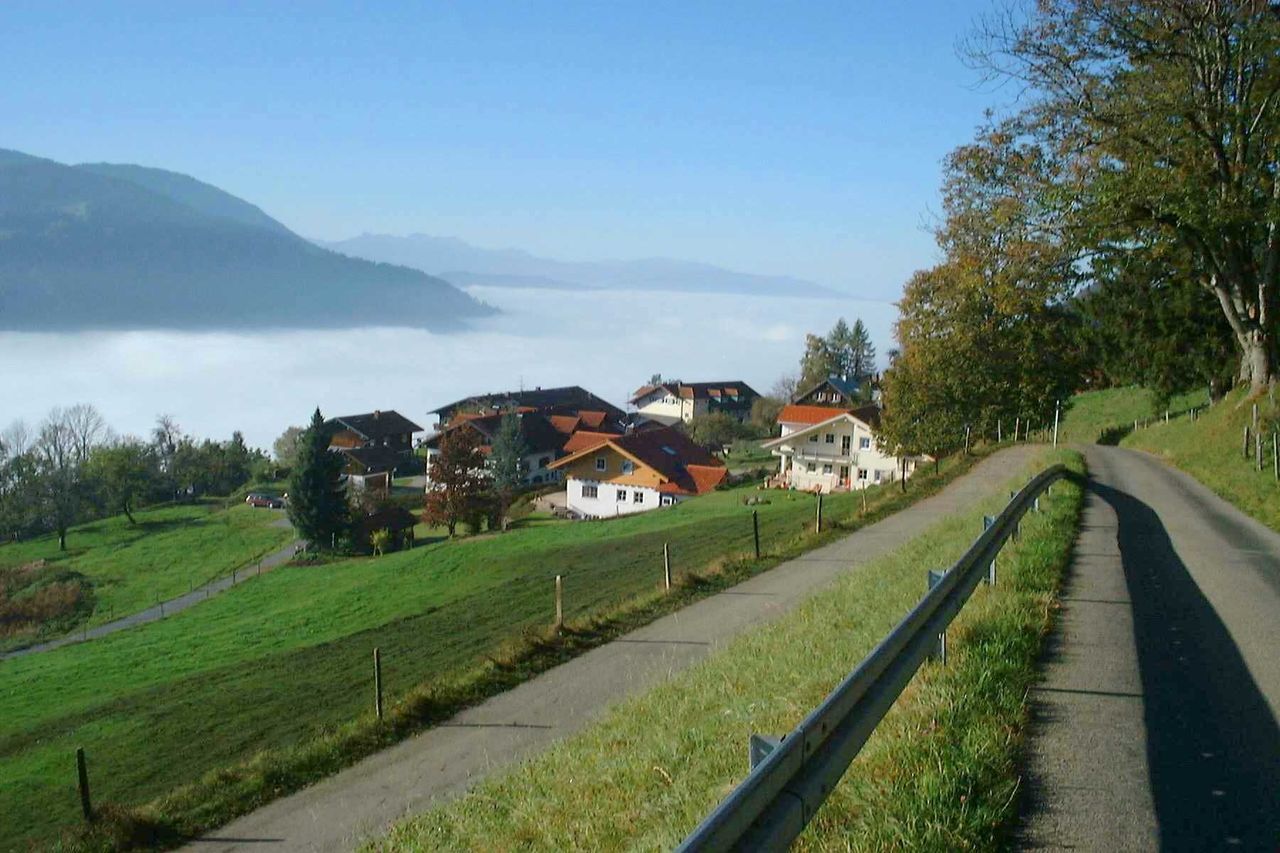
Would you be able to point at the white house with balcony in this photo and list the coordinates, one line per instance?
(826, 450)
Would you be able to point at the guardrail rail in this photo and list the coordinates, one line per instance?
(791, 776)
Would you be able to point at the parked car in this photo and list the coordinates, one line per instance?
(268, 501)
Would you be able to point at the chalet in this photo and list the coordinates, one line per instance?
(828, 448)
(371, 467)
(637, 472)
(545, 438)
(569, 401)
(388, 429)
(834, 392)
(675, 401)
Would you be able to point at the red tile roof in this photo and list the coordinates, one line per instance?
(686, 467)
(583, 439)
(793, 414)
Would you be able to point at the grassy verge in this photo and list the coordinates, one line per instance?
(131, 566)
(940, 772)
(272, 678)
(1211, 449)
(1103, 416)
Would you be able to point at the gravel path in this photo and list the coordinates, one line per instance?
(362, 801)
(1155, 723)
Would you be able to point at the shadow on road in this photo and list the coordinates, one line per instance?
(1212, 743)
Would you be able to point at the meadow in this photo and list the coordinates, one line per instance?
(272, 679)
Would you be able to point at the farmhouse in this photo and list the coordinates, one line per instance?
(371, 467)
(637, 472)
(571, 401)
(671, 402)
(388, 429)
(827, 449)
(832, 392)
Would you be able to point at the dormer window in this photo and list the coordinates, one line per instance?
(601, 464)
(628, 467)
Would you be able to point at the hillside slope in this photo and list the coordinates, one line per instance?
(121, 247)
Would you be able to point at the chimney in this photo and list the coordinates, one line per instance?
(376, 412)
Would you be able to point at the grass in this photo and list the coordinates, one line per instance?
(167, 552)
(1210, 448)
(1102, 416)
(939, 774)
(272, 678)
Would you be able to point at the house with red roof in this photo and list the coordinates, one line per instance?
(637, 472)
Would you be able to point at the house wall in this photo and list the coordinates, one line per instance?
(586, 469)
(348, 439)
(662, 407)
(536, 473)
(866, 465)
(606, 503)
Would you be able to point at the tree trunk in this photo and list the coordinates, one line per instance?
(62, 538)
(1257, 360)
(125, 506)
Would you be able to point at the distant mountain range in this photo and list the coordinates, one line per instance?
(469, 266)
(103, 246)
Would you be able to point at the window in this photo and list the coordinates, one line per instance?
(590, 491)
(544, 462)
(814, 438)
(878, 474)
(601, 464)
(862, 475)
(826, 469)
(830, 438)
(844, 473)
(637, 497)
(628, 467)
(622, 495)
(667, 500)
(811, 467)
(844, 444)
(864, 443)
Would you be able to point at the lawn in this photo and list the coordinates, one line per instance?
(939, 774)
(273, 677)
(1210, 448)
(169, 550)
(1095, 416)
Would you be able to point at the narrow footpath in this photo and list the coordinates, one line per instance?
(1155, 724)
(361, 802)
(174, 605)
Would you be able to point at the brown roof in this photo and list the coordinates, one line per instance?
(700, 390)
(582, 439)
(685, 466)
(374, 460)
(377, 424)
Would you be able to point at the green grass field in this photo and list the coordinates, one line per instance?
(272, 678)
(1211, 449)
(167, 552)
(1090, 416)
(939, 774)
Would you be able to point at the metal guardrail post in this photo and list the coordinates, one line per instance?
(759, 747)
(987, 522)
(940, 651)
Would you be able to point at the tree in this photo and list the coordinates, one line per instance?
(785, 387)
(1166, 117)
(459, 483)
(714, 430)
(378, 540)
(506, 464)
(764, 415)
(59, 487)
(862, 353)
(317, 500)
(840, 346)
(285, 447)
(818, 362)
(18, 481)
(122, 474)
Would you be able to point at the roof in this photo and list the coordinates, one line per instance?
(374, 459)
(868, 413)
(377, 424)
(729, 389)
(538, 432)
(565, 400)
(847, 387)
(685, 466)
(583, 439)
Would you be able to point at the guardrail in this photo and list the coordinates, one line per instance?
(791, 776)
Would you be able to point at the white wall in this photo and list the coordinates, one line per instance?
(606, 503)
(867, 465)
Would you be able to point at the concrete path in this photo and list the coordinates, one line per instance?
(173, 605)
(363, 801)
(1155, 725)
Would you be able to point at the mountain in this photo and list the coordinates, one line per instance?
(104, 246)
(471, 266)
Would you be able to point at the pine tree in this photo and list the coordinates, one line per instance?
(317, 501)
(840, 346)
(862, 353)
(506, 463)
(818, 363)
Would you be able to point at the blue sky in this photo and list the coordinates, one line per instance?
(798, 138)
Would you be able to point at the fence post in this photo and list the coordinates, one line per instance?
(966, 439)
(666, 572)
(934, 577)
(817, 524)
(1057, 405)
(1246, 441)
(1275, 454)
(755, 530)
(377, 682)
(82, 771)
(1257, 448)
(999, 432)
(560, 601)
(1017, 422)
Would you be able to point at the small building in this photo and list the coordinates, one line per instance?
(371, 467)
(675, 401)
(825, 449)
(637, 472)
(397, 521)
(387, 429)
(833, 392)
(568, 401)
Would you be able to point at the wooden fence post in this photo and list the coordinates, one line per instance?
(377, 682)
(1246, 441)
(1017, 421)
(755, 531)
(82, 771)
(560, 601)
(666, 570)
(1275, 454)
(1257, 448)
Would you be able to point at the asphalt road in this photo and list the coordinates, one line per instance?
(363, 801)
(1155, 726)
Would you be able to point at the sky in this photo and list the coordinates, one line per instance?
(781, 138)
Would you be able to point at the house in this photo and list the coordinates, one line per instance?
(671, 402)
(388, 429)
(569, 401)
(370, 467)
(827, 449)
(637, 472)
(545, 438)
(834, 392)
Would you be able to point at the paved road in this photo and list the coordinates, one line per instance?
(1155, 726)
(173, 605)
(361, 802)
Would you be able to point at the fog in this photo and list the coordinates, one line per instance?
(260, 383)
